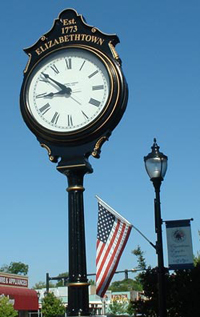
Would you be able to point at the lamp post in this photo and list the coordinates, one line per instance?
(156, 167)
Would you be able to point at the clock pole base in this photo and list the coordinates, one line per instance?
(78, 297)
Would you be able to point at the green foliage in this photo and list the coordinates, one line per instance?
(197, 259)
(130, 309)
(91, 282)
(117, 308)
(41, 285)
(6, 308)
(62, 282)
(182, 293)
(52, 306)
(182, 290)
(15, 268)
(148, 280)
(125, 286)
(140, 258)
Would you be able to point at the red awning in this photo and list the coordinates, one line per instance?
(25, 299)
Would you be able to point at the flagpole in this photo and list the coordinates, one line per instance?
(114, 212)
(151, 243)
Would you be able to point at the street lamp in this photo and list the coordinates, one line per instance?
(156, 167)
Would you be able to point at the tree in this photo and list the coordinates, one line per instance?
(125, 285)
(148, 279)
(15, 268)
(182, 293)
(117, 308)
(6, 308)
(52, 306)
(140, 258)
(182, 289)
(41, 285)
(91, 282)
(62, 277)
(62, 282)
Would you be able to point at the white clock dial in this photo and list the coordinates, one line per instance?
(68, 90)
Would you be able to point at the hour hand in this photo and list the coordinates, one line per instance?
(64, 89)
(51, 94)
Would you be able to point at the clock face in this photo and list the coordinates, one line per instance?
(68, 90)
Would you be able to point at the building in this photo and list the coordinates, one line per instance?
(97, 305)
(24, 300)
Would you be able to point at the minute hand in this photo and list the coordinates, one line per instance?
(65, 89)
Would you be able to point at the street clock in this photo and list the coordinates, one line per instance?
(74, 92)
(73, 95)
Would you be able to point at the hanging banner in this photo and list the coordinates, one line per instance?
(179, 244)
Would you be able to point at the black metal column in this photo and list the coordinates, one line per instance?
(78, 298)
(159, 250)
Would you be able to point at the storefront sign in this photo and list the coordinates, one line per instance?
(13, 280)
(119, 298)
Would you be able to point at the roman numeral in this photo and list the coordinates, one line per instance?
(93, 74)
(68, 62)
(82, 65)
(84, 114)
(55, 118)
(55, 69)
(98, 87)
(69, 120)
(94, 102)
(45, 108)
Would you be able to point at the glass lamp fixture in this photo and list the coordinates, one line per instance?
(156, 163)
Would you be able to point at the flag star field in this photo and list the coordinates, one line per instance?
(105, 224)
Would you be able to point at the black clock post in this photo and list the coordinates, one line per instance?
(72, 122)
(78, 300)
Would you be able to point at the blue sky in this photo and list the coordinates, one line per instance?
(160, 49)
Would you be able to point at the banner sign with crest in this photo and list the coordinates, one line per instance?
(179, 244)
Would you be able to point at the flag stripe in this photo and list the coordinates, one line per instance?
(106, 252)
(106, 284)
(99, 248)
(107, 256)
(102, 251)
(110, 263)
(103, 265)
(109, 242)
(114, 260)
(113, 233)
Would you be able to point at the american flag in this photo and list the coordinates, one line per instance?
(112, 234)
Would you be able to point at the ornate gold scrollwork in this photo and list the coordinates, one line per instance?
(51, 157)
(28, 63)
(113, 51)
(97, 149)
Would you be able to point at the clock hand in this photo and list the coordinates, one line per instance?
(75, 100)
(51, 94)
(64, 89)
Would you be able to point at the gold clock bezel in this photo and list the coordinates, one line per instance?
(93, 127)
